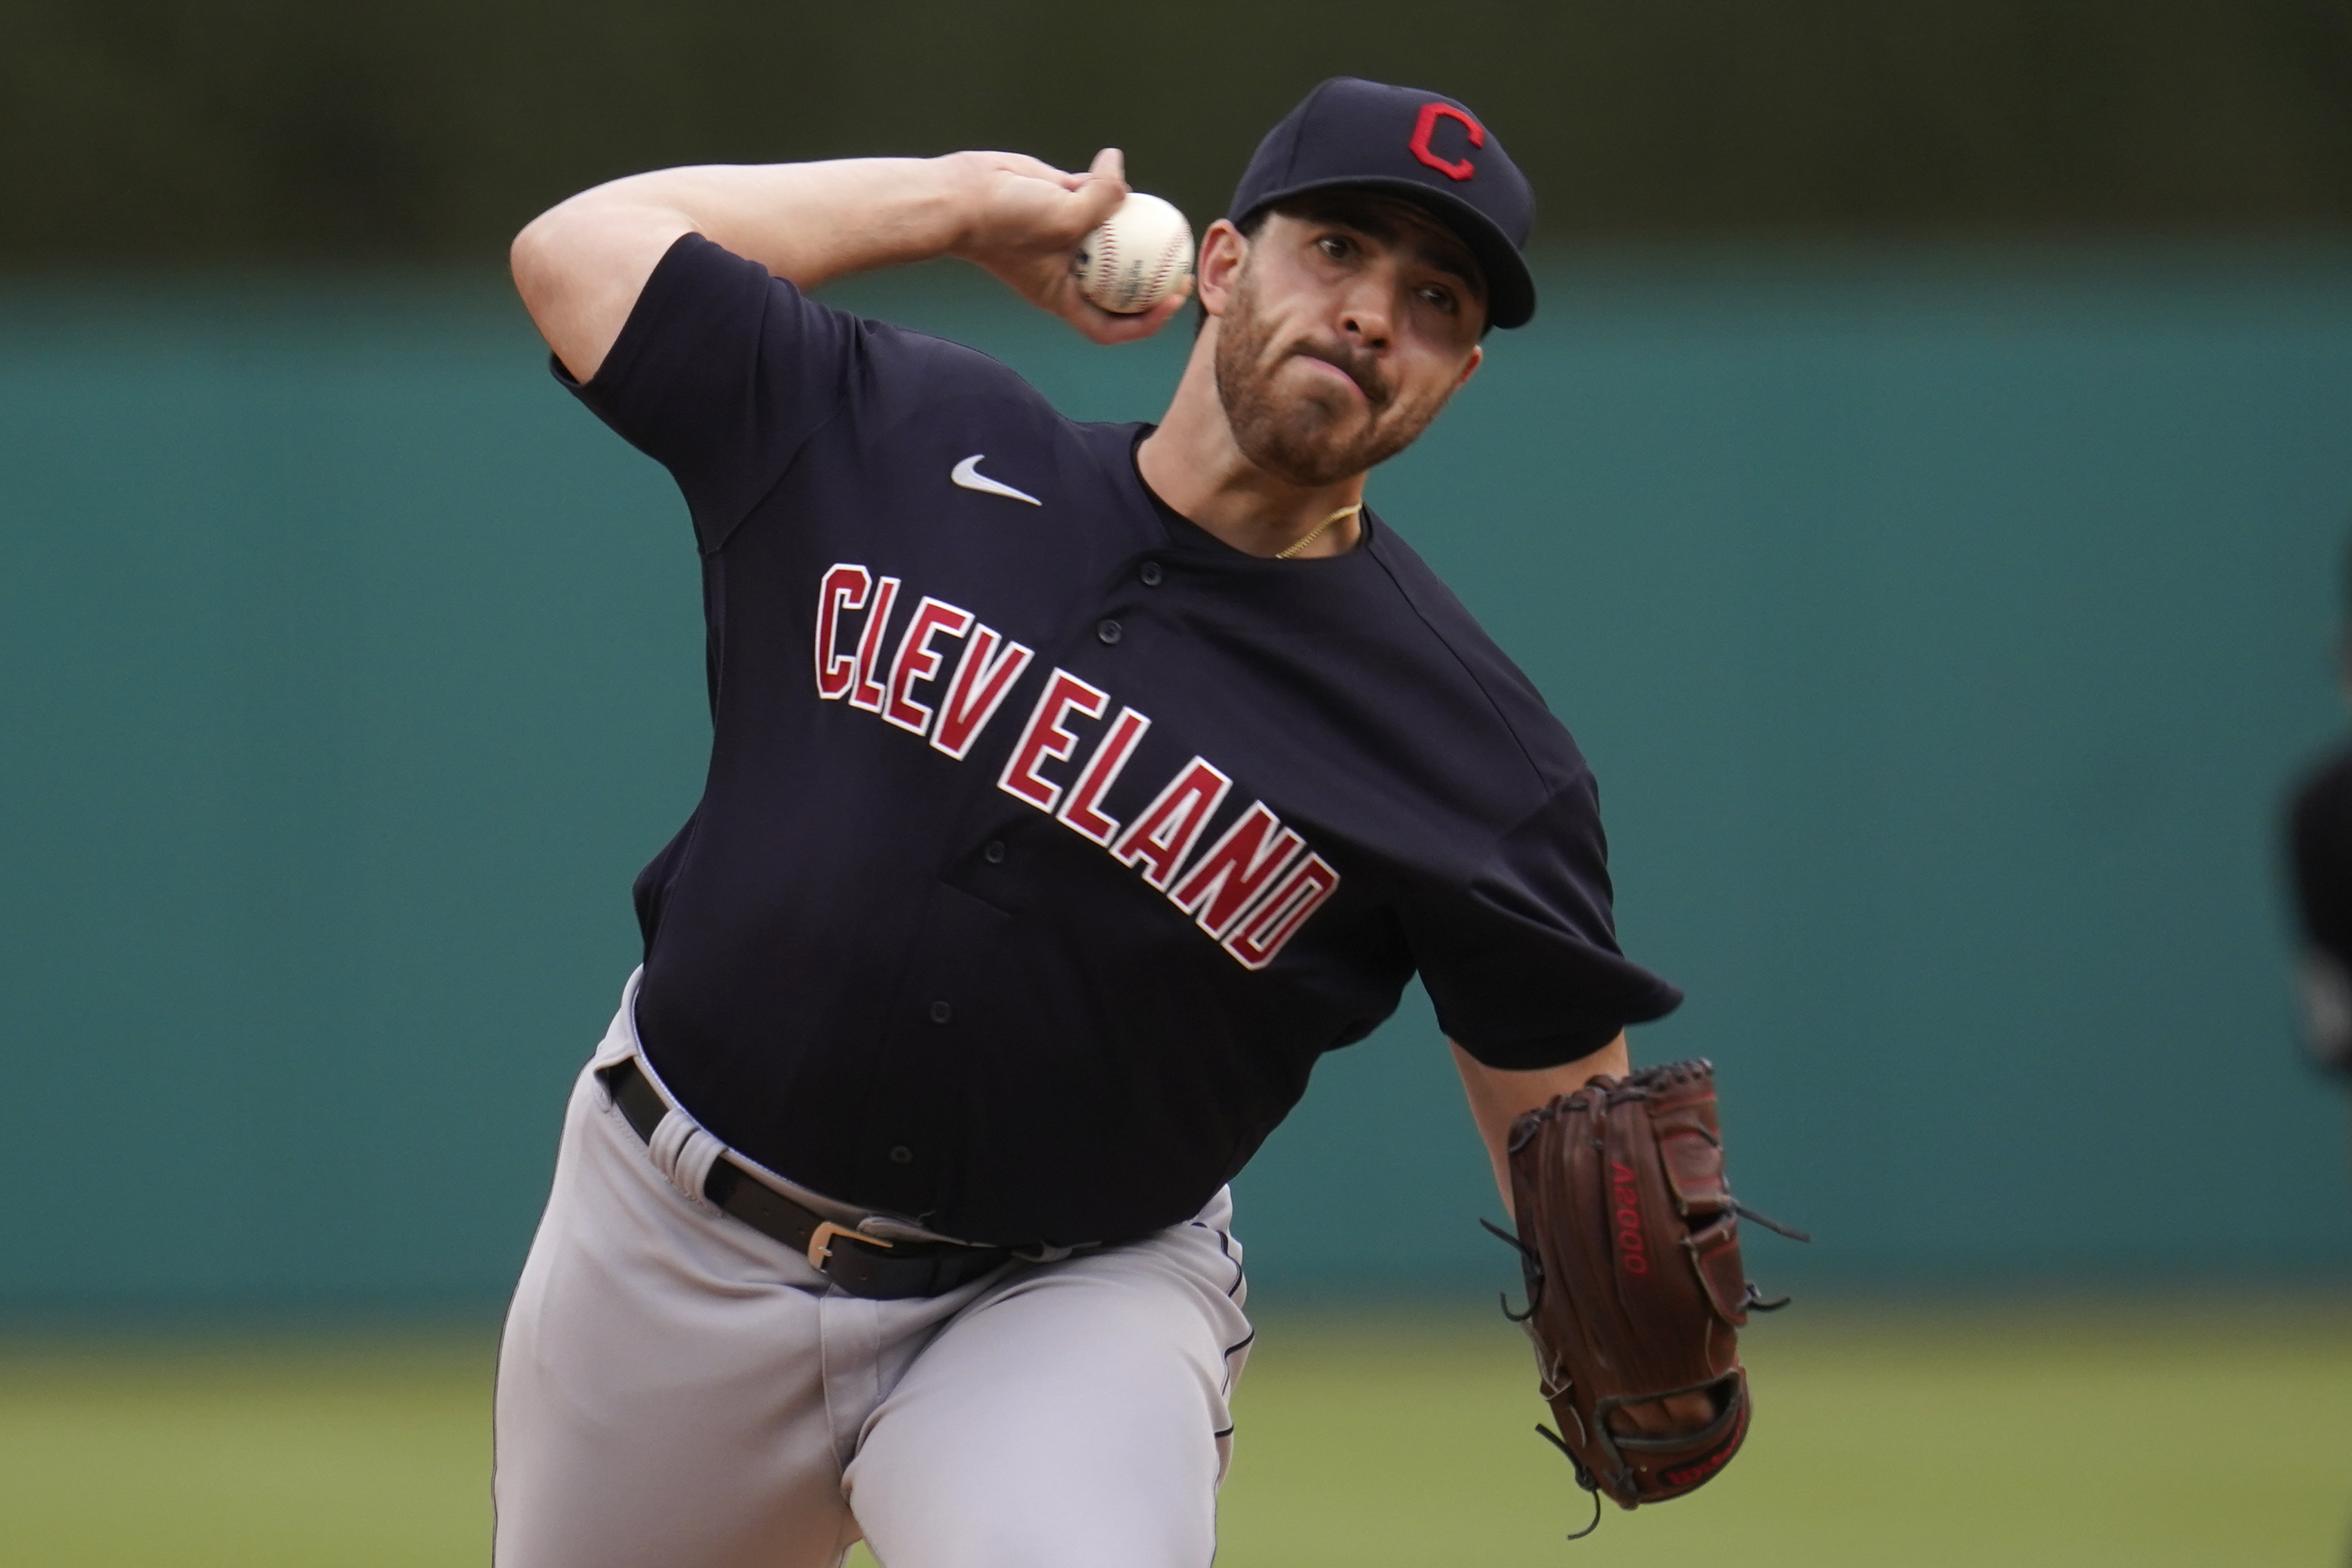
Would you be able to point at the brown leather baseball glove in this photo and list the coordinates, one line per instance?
(1630, 1241)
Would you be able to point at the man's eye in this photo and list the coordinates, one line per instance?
(1440, 298)
(1335, 246)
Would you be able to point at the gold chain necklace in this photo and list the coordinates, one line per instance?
(1317, 531)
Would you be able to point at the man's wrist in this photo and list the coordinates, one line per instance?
(960, 182)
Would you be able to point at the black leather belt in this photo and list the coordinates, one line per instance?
(864, 1266)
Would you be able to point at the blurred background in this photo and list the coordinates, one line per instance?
(1924, 492)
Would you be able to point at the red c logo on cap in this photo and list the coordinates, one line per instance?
(1431, 113)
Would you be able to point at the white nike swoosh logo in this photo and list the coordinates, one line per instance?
(967, 474)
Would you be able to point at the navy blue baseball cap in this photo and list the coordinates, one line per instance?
(1424, 146)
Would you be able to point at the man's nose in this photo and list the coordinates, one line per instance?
(1367, 312)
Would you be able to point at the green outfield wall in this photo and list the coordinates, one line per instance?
(1943, 631)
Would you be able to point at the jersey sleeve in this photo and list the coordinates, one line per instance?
(1522, 962)
(720, 374)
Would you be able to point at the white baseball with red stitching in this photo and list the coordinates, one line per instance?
(1136, 258)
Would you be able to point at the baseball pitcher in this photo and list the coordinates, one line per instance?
(1072, 788)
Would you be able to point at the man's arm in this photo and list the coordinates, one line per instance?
(1498, 1096)
(581, 265)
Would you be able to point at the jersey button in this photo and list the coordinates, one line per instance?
(1109, 631)
(901, 1155)
(1152, 574)
(941, 1012)
(995, 853)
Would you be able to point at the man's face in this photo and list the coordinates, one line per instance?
(1347, 327)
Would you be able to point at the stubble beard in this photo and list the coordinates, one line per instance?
(1301, 439)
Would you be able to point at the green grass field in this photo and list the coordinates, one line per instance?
(2078, 1434)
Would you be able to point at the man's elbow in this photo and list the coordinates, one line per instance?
(579, 266)
(561, 252)
(577, 278)
(535, 259)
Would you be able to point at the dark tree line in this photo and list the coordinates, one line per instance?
(207, 132)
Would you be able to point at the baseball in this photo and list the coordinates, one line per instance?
(1136, 258)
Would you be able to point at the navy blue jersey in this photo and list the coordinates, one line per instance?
(1047, 840)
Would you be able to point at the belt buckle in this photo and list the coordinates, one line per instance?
(820, 1246)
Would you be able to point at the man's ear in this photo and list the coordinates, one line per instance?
(1223, 250)
(1477, 358)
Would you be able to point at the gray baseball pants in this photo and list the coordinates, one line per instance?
(678, 1390)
